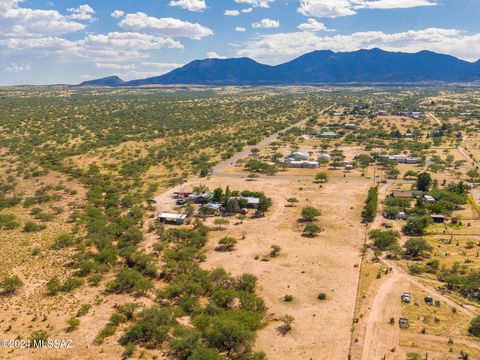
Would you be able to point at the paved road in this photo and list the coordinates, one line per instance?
(264, 143)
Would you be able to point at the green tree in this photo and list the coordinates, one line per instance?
(229, 335)
(227, 243)
(424, 181)
(384, 238)
(205, 354)
(416, 225)
(474, 175)
(321, 177)
(311, 230)
(130, 281)
(474, 327)
(417, 247)
(309, 213)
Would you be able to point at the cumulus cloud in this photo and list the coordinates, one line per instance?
(247, 10)
(119, 46)
(266, 24)
(83, 12)
(169, 27)
(255, 3)
(336, 8)
(312, 25)
(214, 55)
(240, 29)
(232, 12)
(191, 5)
(18, 68)
(21, 22)
(280, 47)
(118, 14)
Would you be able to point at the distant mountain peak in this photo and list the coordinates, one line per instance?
(106, 81)
(317, 67)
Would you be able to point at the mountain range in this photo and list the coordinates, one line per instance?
(317, 67)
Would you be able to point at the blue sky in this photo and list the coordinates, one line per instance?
(68, 41)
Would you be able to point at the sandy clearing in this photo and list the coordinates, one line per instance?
(305, 266)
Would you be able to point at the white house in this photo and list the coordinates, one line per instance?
(324, 157)
(300, 155)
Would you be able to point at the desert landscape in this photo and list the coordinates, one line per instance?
(316, 224)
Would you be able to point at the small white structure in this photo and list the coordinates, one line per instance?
(302, 164)
(430, 198)
(178, 219)
(251, 201)
(300, 155)
(324, 157)
(350, 126)
(402, 159)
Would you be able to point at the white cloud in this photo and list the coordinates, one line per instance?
(24, 22)
(214, 55)
(113, 66)
(336, 8)
(232, 12)
(391, 4)
(280, 47)
(255, 3)
(169, 27)
(240, 29)
(247, 10)
(118, 14)
(191, 5)
(114, 46)
(266, 24)
(83, 12)
(312, 25)
(18, 68)
(326, 8)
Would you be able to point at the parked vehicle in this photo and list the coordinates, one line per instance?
(406, 297)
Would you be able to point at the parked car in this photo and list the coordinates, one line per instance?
(406, 297)
(428, 300)
(181, 202)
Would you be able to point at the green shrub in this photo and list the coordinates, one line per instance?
(73, 324)
(31, 226)
(10, 285)
(474, 327)
(54, 286)
(83, 310)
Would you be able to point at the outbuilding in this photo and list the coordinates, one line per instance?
(168, 218)
(438, 219)
(429, 198)
(300, 155)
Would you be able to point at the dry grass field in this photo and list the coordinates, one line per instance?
(88, 176)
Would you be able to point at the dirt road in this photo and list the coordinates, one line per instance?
(434, 118)
(380, 336)
(265, 142)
